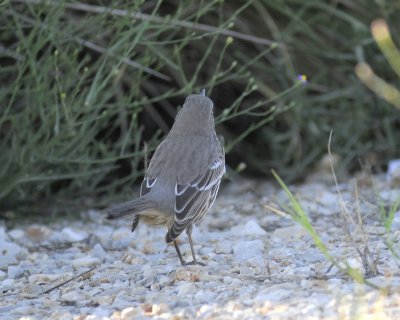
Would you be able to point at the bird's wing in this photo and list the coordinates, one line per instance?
(156, 164)
(146, 185)
(193, 199)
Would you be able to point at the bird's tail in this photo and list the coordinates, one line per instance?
(127, 208)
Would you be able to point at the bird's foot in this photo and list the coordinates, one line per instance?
(193, 263)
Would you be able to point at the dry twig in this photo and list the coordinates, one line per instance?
(69, 280)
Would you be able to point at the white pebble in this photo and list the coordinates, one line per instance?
(85, 262)
(354, 263)
(71, 296)
(103, 299)
(73, 235)
(9, 253)
(250, 253)
(24, 310)
(223, 246)
(129, 313)
(48, 278)
(15, 272)
(155, 287)
(393, 170)
(3, 233)
(99, 252)
(251, 228)
(204, 296)
(7, 282)
(16, 234)
(186, 288)
(165, 281)
(289, 234)
(227, 279)
(273, 294)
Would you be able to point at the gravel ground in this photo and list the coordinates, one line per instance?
(260, 265)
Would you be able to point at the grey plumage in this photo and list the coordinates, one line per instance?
(184, 174)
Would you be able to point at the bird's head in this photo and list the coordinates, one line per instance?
(196, 116)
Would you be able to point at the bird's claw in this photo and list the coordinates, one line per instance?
(193, 263)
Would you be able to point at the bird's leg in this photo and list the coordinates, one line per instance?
(189, 234)
(179, 253)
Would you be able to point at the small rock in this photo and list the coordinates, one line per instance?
(154, 309)
(71, 296)
(116, 240)
(186, 288)
(250, 253)
(306, 284)
(393, 171)
(94, 215)
(312, 206)
(63, 315)
(98, 252)
(85, 262)
(327, 162)
(160, 308)
(289, 234)
(375, 230)
(130, 313)
(396, 221)
(248, 207)
(32, 290)
(236, 283)
(9, 253)
(227, 279)
(354, 263)
(327, 199)
(199, 236)
(16, 234)
(3, 233)
(155, 287)
(38, 233)
(246, 271)
(204, 296)
(165, 281)
(251, 228)
(103, 299)
(23, 310)
(275, 293)
(73, 235)
(223, 247)
(148, 272)
(15, 272)
(97, 313)
(193, 275)
(50, 303)
(48, 278)
(390, 195)
(7, 282)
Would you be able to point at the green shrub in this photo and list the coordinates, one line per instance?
(84, 86)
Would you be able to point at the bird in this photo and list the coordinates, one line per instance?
(183, 177)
